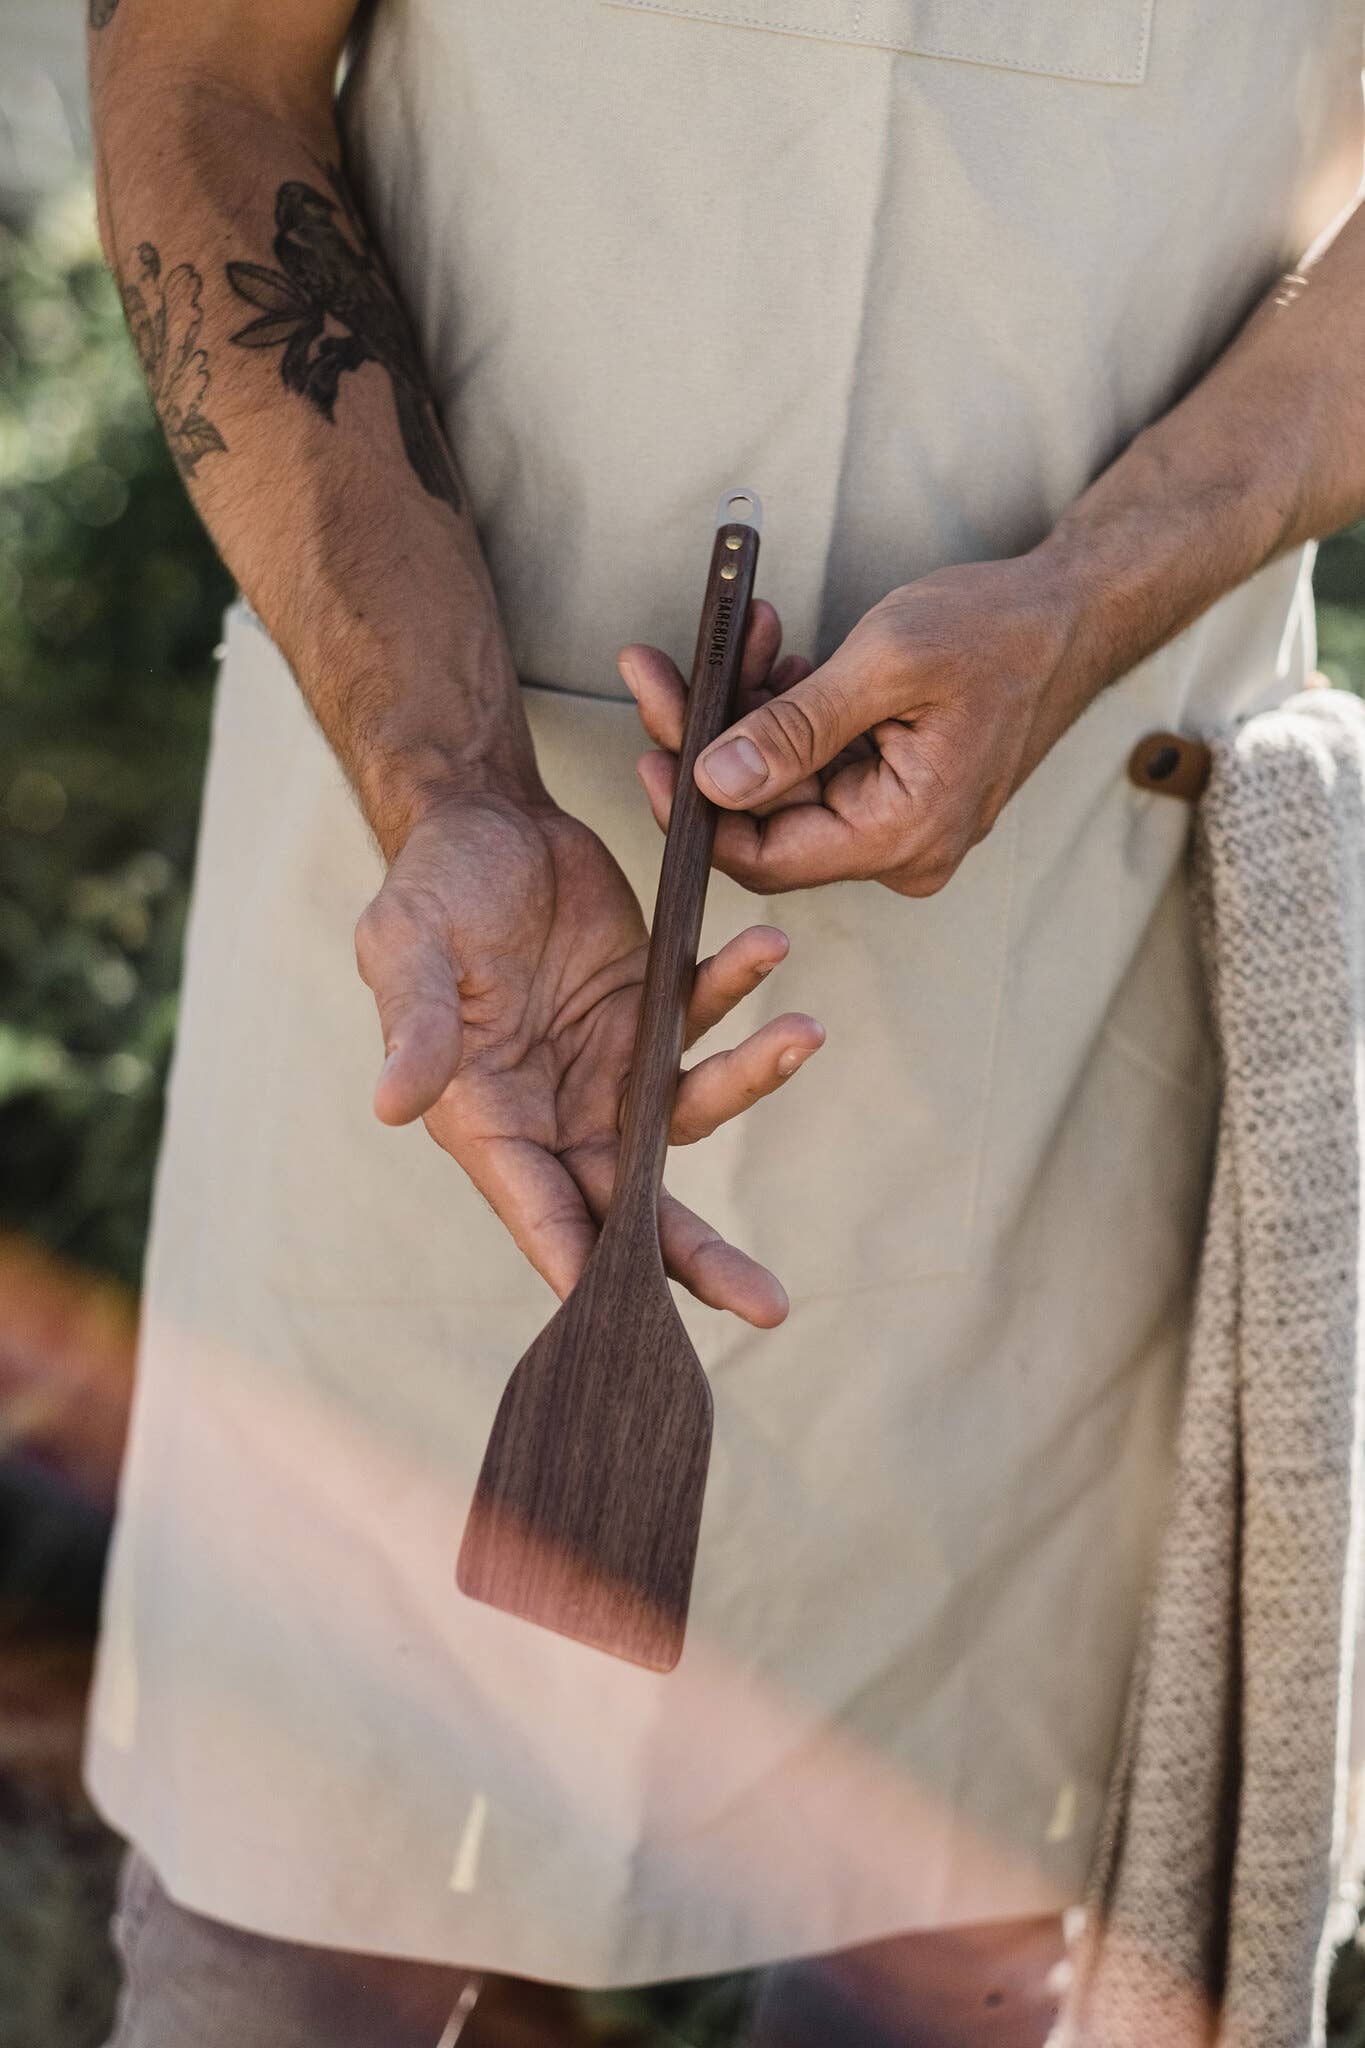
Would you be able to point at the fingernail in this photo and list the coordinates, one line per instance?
(794, 1057)
(736, 769)
(629, 678)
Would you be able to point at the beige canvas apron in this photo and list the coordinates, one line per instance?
(915, 269)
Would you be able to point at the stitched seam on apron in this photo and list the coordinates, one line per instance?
(993, 1050)
(241, 606)
(1138, 1056)
(567, 690)
(856, 34)
(872, 214)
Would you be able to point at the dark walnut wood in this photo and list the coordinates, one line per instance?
(586, 1513)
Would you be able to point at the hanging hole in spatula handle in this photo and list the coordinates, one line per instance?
(683, 875)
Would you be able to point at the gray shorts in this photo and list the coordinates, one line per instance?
(190, 1982)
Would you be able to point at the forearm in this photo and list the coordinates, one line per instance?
(1266, 452)
(294, 401)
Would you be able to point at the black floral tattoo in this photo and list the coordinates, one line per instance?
(102, 12)
(165, 317)
(331, 308)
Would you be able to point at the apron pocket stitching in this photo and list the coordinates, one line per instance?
(922, 43)
(1138, 1056)
(997, 1020)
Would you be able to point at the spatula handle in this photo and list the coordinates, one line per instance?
(671, 965)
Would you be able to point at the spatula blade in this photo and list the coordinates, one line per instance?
(587, 1509)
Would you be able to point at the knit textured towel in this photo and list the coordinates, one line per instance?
(1211, 1917)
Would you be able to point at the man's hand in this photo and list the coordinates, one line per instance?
(505, 948)
(896, 756)
(506, 952)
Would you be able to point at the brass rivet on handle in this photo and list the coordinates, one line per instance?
(733, 541)
(729, 571)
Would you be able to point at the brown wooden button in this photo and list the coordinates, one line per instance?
(1171, 764)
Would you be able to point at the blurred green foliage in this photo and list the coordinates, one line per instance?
(58, 1977)
(110, 604)
(1339, 586)
(110, 607)
(709, 2013)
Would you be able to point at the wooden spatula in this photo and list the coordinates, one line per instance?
(586, 1513)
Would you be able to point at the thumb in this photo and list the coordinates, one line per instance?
(771, 750)
(415, 980)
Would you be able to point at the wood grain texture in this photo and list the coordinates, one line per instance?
(588, 1505)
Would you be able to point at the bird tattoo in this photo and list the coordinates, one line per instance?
(331, 308)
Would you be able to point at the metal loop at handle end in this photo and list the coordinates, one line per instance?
(740, 507)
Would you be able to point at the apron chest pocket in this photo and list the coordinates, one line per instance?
(1103, 41)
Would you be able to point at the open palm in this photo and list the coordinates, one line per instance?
(506, 953)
